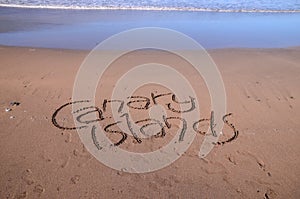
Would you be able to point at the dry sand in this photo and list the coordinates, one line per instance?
(39, 160)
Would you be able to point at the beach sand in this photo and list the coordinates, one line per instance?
(39, 160)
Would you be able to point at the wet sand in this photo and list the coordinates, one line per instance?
(41, 160)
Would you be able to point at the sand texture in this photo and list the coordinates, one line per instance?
(39, 160)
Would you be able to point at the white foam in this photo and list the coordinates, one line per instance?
(150, 8)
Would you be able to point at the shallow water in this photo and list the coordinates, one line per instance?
(84, 29)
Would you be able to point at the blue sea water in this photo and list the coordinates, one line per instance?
(84, 29)
(82, 24)
(186, 5)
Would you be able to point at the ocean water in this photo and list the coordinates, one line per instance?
(184, 5)
(84, 29)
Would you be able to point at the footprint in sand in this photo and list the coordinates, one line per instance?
(262, 166)
(21, 195)
(75, 179)
(27, 177)
(259, 161)
(84, 156)
(81, 153)
(231, 158)
(65, 162)
(270, 194)
(39, 189)
(68, 137)
(165, 181)
(213, 167)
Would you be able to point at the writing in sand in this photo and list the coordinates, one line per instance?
(141, 103)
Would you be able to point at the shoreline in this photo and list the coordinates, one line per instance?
(209, 50)
(146, 9)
